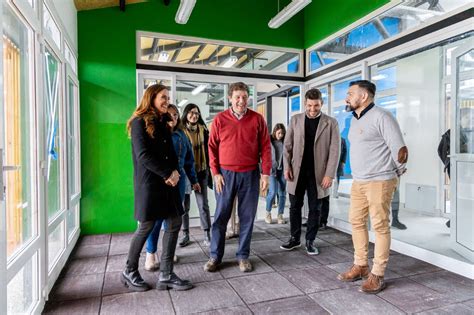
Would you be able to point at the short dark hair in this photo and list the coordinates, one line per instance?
(366, 85)
(238, 86)
(313, 94)
(187, 109)
(277, 127)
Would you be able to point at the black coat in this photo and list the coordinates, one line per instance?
(154, 160)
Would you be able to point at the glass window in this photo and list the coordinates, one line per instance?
(70, 58)
(52, 142)
(51, 27)
(72, 223)
(465, 103)
(21, 289)
(398, 19)
(19, 203)
(55, 244)
(157, 49)
(73, 140)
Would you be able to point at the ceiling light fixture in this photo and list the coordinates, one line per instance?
(288, 12)
(199, 89)
(230, 62)
(182, 103)
(184, 11)
(163, 56)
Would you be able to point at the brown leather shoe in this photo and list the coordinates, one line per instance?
(211, 265)
(355, 273)
(245, 265)
(373, 284)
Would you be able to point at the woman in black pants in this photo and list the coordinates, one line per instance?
(155, 180)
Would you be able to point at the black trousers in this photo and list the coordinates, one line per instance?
(324, 210)
(170, 239)
(306, 184)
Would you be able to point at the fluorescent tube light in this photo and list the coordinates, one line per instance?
(184, 11)
(288, 12)
(183, 102)
(199, 89)
(379, 77)
(230, 62)
(163, 56)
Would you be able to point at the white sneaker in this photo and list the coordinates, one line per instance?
(268, 218)
(151, 262)
(280, 219)
(175, 258)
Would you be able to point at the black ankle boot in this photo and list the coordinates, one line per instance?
(134, 281)
(172, 281)
(185, 239)
(291, 244)
(396, 223)
(311, 249)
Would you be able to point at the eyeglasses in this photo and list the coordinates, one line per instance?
(194, 113)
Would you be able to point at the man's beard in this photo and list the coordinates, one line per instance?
(349, 108)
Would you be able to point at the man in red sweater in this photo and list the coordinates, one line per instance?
(239, 140)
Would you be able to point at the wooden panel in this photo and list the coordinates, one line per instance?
(82, 5)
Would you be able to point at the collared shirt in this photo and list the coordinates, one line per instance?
(237, 115)
(362, 113)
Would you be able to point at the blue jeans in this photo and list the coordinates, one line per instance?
(152, 240)
(244, 186)
(277, 186)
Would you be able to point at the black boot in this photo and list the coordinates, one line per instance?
(172, 281)
(395, 223)
(185, 239)
(291, 244)
(134, 281)
(311, 249)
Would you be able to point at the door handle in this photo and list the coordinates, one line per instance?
(8, 168)
(5, 168)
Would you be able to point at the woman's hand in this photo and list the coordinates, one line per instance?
(173, 179)
(196, 187)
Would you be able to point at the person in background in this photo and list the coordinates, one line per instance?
(239, 141)
(277, 178)
(184, 153)
(156, 195)
(195, 129)
(378, 157)
(311, 156)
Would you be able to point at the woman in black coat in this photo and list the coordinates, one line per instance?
(155, 179)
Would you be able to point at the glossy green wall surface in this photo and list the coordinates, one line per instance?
(107, 74)
(323, 18)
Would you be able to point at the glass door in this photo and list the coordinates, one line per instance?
(462, 151)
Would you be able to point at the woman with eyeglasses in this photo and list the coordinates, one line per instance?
(184, 153)
(198, 134)
(156, 195)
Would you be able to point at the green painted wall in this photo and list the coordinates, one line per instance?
(107, 77)
(323, 18)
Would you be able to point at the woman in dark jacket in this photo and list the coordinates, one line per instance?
(155, 180)
(197, 133)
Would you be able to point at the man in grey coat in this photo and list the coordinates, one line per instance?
(310, 158)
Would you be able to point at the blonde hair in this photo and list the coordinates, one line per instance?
(145, 109)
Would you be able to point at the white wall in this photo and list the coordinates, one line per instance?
(67, 13)
(418, 113)
(279, 111)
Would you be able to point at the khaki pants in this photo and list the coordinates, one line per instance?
(371, 198)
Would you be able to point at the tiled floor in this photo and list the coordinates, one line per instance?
(282, 282)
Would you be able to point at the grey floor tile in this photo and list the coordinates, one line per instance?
(113, 285)
(85, 306)
(289, 260)
(230, 268)
(295, 305)
(88, 251)
(313, 280)
(351, 301)
(258, 235)
(266, 246)
(332, 255)
(279, 231)
(206, 296)
(95, 239)
(469, 303)
(343, 267)
(335, 238)
(457, 309)
(236, 310)
(195, 231)
(448, 283)
(77, 287)
(85, 266)
(149, 302)
(121, 238)
(412, 297)
(119, 248)
(263, 287)
(191, 253)
(195, 273)
(407, 266)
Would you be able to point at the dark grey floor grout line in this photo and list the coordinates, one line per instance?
(105, 272)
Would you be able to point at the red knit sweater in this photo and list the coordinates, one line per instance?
(239, 145)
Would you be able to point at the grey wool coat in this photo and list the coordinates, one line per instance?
(326, 148)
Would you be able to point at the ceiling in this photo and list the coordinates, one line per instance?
(82, 5)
